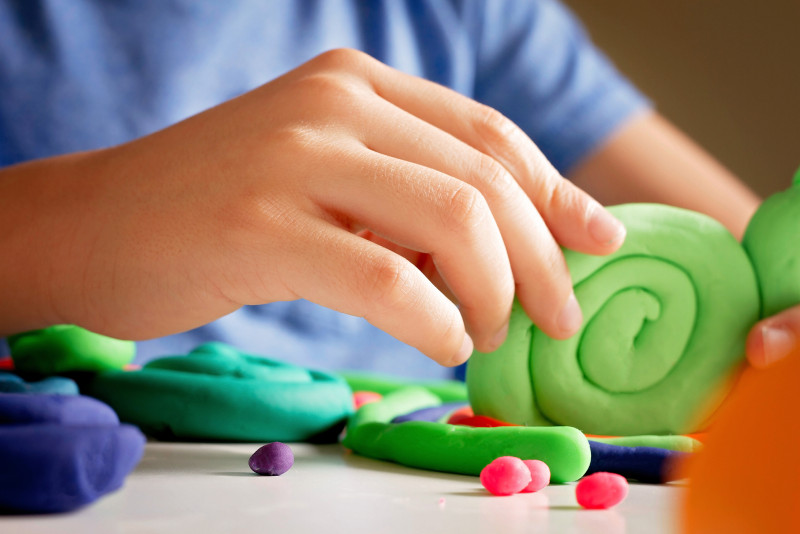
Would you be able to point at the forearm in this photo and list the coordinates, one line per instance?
(649, 160)
(33, 200)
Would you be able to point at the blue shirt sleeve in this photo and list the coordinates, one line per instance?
(537, 65)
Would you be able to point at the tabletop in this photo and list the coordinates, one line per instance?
(198, 488)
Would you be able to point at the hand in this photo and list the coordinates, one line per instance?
(343, 182)
(773, 338)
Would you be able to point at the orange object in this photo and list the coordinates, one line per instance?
(747, 477)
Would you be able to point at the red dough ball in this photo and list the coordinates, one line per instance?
(601, 490)
(360, 398)
(540, 475)
(506, 475)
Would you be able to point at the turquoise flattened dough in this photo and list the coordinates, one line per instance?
(772, 241)
(665, 320)
(218, 393)
(54, 385)
(63, 348)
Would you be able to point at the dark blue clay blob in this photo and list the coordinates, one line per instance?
(11, 383)
(61, 452)
(644, 464)
(272, 459)
(22, 408)
(432, 414)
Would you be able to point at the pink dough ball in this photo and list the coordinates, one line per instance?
(601, 490)
(506, 475)
(540, 475)
(360, 398)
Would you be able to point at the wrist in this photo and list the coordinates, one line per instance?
(43, 206)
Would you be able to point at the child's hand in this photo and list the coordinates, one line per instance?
(773, 338)
(343, 182)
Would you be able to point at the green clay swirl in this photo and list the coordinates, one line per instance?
(773, 242)
(665, 320)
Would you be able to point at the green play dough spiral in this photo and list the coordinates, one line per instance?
(772, 241)
(665, 319)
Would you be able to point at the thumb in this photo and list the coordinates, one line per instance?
(773, 338)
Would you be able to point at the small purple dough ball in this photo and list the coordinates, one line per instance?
(272, 459)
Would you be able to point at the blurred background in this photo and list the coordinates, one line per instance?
(725, 71)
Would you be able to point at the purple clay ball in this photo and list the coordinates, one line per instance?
(272, 459)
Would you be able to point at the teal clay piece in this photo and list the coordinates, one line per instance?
(460, 449)
(219, 393)
(52, 385)
(665, 321)
(772, 240)
(64, 348)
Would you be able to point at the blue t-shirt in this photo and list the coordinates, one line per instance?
(84, 74)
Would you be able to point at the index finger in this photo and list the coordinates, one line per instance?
(575, 219)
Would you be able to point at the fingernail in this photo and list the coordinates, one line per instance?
(499, 337)
(777, 343)
(571, 317)
(465, 351)
(604, 227)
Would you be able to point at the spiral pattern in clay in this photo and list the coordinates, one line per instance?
(665, 320)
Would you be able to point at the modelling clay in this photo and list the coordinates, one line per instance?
(505, 475)
(478, 420)
(58, 453)
(272, 459)
(69, 410)
(540, 476)
(446, 390)
(433, 414)
(645, 464)
(650, 464)
(460, 414)
(219, 393)
(772, 240)
(395, 404)
(360, 398)
(601, 490)
(446, 415)
(10, 383)
(459, 449)
(466, 450)
(68, 348)
(672, 443)
(666, 318)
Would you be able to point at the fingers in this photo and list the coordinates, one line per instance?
(542, 278)
(427, 211)
(774, 338)
(436, 128)
(574, 218)
(350, 274)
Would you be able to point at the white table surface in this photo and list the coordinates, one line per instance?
(197, 488)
